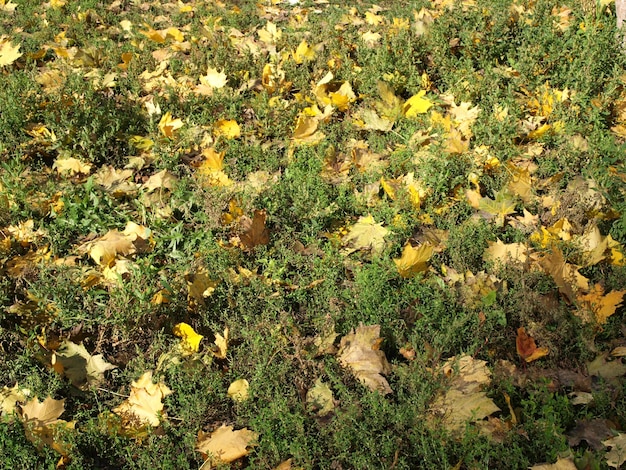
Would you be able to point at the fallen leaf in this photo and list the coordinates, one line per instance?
(238, 390)
(9, 53)
(144, 406)
(227, 128)
(221, 345)
(225, 445)
(416, 104)
(254, 230)
(167, 125)
(320, 398)
(199, 286)
(608, 370)
(560, 464)
(464, 400)
(366, 234)
(498, 208)
(505, 253)
(591, 431)
(189, 339)
(10, 397)
(566, 276)
(617, 455)
(71, 166)
(414, 260)
(527, 348)
(602, 306)
(83, 369)
(41, 419)
(360, 351)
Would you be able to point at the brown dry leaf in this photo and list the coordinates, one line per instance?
(360, 351)
(591, 431)
(224, 445)
(83, 369)
(254, 230)
(414, 260)
(526, 347)
(40, 420)
(366, 234)
(144, 406)
(465, 400)
(617, 455)
(602, 306)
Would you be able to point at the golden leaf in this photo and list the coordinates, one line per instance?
(144, 406)
(238, 390)
(189, 339)
(83, 369)
(40, 420)
(71, 166)
(227, 128)
(366, 234)
(602, 305)
(225, 445)
(167, 125)
(416, 104)
(414, 260)
(8, 53)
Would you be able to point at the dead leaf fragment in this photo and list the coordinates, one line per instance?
(591, 431)
(526, 347)
(320, 398)
(560, 464)
(360, 351)
(254, 231)
(225, 445)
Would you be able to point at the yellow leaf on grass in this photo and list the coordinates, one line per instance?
(221, 345)
(602, 306)
(227, 128)
(413, 260)
(238, 390)
(366, 234)
(320, 398)
(303, 53)
(211, 168)
(500, 252)
(306, 131)
(71, 166)
(465, 399)
(224, 445)
(360, 351)
(566, 276)
(8, 53)
(167, 125)
(189, 339)
(416, 104)
(144, 406)
(41, 419)
(561, 464)
(617, 455)
(499, 207)
(9, 398)
(83, 369)
(200, 285)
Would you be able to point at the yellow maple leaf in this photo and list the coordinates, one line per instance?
(602, 306)
(238, 390)
(416, 104)
(144, 406)
(71, 166)
(303, 53)
(9, 53)
(306, 131)
(413, 260)
(227, 128)
(167, 125)
(366, 234)
(224, 445)
(189, 339)
(41, 419)
(499, 207)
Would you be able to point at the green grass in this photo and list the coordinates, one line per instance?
(496, 55)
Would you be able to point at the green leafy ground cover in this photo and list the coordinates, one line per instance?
(308, 235)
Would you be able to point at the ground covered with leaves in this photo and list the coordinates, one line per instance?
(294, 234)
